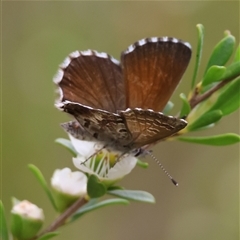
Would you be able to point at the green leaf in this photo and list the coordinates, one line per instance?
(169, 106)
(205, 120)
(115, 188)
(37, 173)
(3, 224)
(93, 205)
(200, 29)
(67, 144)
(140, 196)
(222, 52)
(237, 54)
(232, 71)
(227, 99)
(217, 140)
(214, 74)
(142, 164)
(185, 105)
(48, 236)
(95, 188)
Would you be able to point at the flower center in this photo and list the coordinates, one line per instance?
(102, 162)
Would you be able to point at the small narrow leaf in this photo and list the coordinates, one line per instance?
(3, 224)
(237, 54)
(222, 52)
(48, 236)
(227, 99)
(217, 140)
(37, 173)
(140, 196)
(205, 120)
(95, 188)
(185, 105)
(67, 144)
(214, 74)
(232, 71)
(200, 29)
(93, 205)
(169, 106)
(142, 164)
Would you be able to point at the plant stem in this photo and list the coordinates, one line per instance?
(196, 99)
(64, 216)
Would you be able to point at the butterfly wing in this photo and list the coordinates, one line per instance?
(92, 79)
(152, 68)
(147, 126)
(102, 125)
(77, 131)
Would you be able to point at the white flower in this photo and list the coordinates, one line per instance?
(28, 210)
(70, 183)
(107, 166)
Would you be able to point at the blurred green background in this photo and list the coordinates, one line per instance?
(37, 36)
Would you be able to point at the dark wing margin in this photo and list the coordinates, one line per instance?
(152, 69)
(92, 79)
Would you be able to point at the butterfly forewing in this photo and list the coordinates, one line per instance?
(152, 69)
(103, 125)
(92, 79)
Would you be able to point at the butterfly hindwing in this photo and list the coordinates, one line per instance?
(147, 126)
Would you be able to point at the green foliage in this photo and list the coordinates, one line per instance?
(40, 178)
(93, 204)
(95, 188)
(3, 224)
(227, 100)
(216, 95)
(186, 108)
(217, 140)
(237, 55)
(200, 29)
(213, 74)
(169, 106)
(222, 51)
(232, 71)
(140, 196)
(205, 120)
(48, 236)
(142, 164)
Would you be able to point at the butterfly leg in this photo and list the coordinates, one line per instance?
(98, 151)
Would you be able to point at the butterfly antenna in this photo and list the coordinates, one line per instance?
(164, 170)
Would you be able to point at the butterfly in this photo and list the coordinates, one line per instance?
(119, 104)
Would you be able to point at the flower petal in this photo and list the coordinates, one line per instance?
(68, 182)
(122, 167)
(82, 167)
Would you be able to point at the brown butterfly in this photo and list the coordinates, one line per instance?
(119, 103)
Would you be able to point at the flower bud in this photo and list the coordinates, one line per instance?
(68, 186)
(26, 219)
